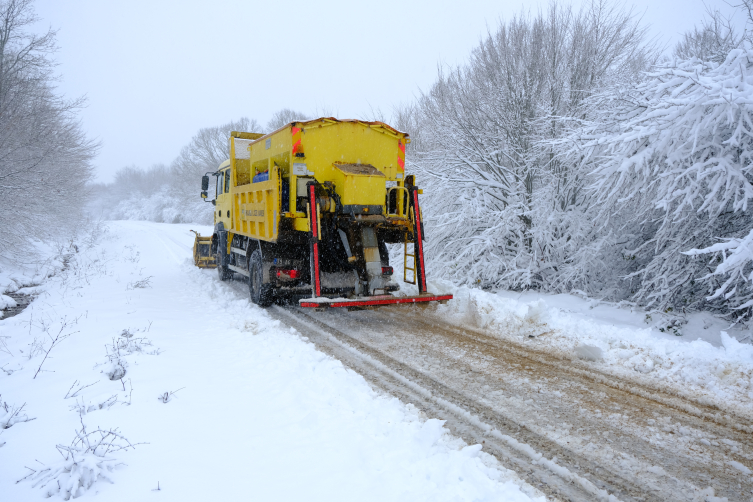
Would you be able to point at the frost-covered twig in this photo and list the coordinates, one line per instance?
(83, 409)
(78, 389)
(167, 396)
(54, 343)
(4, 345)
(10, 415)
(141, 284)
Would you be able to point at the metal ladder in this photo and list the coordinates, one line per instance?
(407, 255)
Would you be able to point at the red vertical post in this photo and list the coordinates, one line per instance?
(418, 242)
(316, 285)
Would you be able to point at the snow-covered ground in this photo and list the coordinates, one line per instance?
(135, 367)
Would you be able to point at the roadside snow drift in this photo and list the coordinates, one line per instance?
(695, 356)
(135, 376)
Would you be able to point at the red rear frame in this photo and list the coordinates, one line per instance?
(372, 301)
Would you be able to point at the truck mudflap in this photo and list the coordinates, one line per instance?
(371, 301)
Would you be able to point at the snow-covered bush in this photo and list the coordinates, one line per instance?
(155, 194)
(86, 461)
(125, 345)
(11, 415)
(162, 206)
(736, 267)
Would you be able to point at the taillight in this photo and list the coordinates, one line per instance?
(386, 270)
(287, 274)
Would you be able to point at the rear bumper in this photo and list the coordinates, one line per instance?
(371, 300)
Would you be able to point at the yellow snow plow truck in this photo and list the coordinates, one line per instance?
(306, 213)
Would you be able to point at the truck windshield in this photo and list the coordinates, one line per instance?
(219, 183)
(227, 181)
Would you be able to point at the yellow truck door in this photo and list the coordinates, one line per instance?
(222, 208)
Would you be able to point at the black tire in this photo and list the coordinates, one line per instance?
(224, 272)
(261, 294)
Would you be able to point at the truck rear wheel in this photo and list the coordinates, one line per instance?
(261, 294)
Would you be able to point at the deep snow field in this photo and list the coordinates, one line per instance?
(220, 402)
(164, 385)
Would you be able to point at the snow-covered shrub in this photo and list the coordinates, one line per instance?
(11, 415)
(86, 461)
(736, 256)
(124, 345)
(162, 206)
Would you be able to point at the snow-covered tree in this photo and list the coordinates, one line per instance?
(513, 206)
(204, 153)
(671, 166)
(282, 117)
(712, 41)
(44, 155)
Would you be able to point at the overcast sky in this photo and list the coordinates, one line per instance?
(156, 71)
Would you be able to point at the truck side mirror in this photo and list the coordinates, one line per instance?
(204, 194)
(204, 183)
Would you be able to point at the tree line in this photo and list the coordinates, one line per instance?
(170, 194)
(577, 157)
(45, 157)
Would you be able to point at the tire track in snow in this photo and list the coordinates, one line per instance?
(170, 247)
(655, 391)
(696, 452)
(471, 420)
(475, 418)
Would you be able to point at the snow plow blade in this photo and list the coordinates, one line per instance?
(371, 301)
(202, 252)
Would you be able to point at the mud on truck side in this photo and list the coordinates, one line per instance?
(306, 213)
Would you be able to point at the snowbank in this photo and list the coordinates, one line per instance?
(701, 359)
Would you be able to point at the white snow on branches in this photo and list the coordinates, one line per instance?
(636, 188)
(672, 172)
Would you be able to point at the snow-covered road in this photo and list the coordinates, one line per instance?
(569, 429)
(254, 411)
(286, 404)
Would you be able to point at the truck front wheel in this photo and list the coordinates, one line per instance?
(224, 272)
(261, 294)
